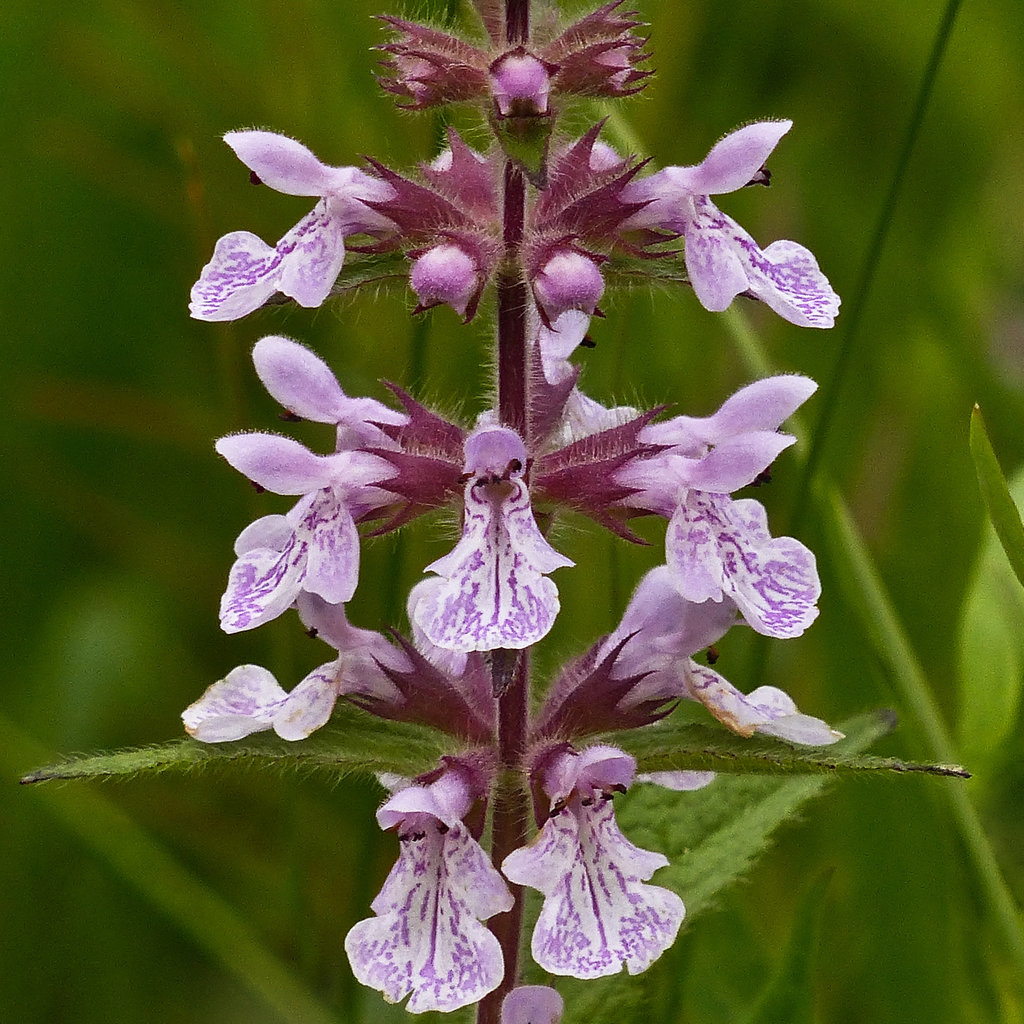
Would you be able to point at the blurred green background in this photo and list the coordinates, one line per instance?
(174, 899)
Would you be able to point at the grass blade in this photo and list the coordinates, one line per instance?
(995, 493)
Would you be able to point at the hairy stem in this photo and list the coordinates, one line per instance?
(512, 310)
(511, 668)
(517, 21)
(511, 810)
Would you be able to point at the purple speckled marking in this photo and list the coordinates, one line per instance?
(244, 271)
(719, 547)
(723, 260)
(427, 938)
(320, 556)
(495, 593)
(598, 915)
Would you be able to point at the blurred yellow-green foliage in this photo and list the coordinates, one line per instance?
(152, 901)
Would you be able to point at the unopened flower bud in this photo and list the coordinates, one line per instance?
(445, 274)
(520, 84)
(568, 280)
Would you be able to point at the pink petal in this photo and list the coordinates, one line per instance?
(761, 406)
(309, 705)
(717, 547)
(276, 463)
(785, 276)
(722, 260)
(281, 163)
(665, 627)
(735, 160)
(447, 799)
(262, 584)
(735, 462)
(241, 275)
(243, 702)
(495, 594)
(713, 262)
(299, 379)
(312, 255)
(597, 916)
(427, 938)
(266, 532)
(332, 567)
(532, 1004)
(559, 341)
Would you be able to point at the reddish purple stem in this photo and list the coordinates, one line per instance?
(511, 806)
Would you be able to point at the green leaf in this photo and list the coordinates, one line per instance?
(991, 649)
(713, 835)
(671, 746)
(789, 995)
(996, 495)
(623, 269)
(371, 268)
(353, 741)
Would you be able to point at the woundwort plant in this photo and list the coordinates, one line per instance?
(536, 225)
(530, 222)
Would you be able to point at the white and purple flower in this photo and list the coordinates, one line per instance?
(598, 914)
(426, 938)
(722, 260)
(314, 548)
(250, 700)
(307, 388)
(245, 272)
(717, 547)
(492, 591)
(659, 633)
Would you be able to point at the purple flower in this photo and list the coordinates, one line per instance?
(244, 271)
(520, 84)
(491, 590)
(305, 385)
(580, 415)
(568, 279)
(250, 700)
(532, 1004)
(598, 915)
(447, 274)
(722, 260)
(427, 938)
(659, 632)
(717, 547)
(314, 548)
